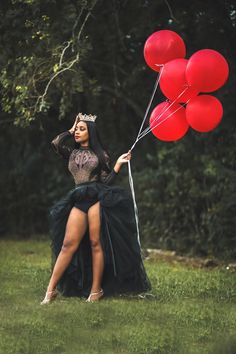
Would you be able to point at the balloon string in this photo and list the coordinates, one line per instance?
(140, 136)
(158, 123)
(149, 104)
(129, 165)
(148, 129)
(134, 201)
(155, 119)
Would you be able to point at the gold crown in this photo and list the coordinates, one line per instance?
(87, 117)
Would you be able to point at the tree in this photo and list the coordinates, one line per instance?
(60, 58)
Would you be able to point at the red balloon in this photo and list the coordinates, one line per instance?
(207, 70)
(163, 46)
(173, 81)
(172, 128)
(204, 113)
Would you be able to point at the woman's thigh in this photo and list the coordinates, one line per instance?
(94, 221)
(76, 227)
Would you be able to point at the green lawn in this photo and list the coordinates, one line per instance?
(193, 310)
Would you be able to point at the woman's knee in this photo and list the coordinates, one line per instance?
(95, 243)
(69, 246)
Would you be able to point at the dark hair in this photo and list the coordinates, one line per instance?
(98, 148)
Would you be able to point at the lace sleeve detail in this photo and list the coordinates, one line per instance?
(58, 144)
(108, 177)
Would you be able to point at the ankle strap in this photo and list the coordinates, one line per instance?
(100, 291)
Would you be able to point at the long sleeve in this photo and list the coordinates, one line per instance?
(108, 177)
(58, 144)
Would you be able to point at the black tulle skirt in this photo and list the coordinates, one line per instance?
(124, 271)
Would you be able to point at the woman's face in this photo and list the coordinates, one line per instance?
(81, 133)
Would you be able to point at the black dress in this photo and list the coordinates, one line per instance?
(124, 271)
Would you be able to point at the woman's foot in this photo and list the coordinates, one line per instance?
(49, 297)
(95, 296)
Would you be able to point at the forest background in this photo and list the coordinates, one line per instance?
(93, 51)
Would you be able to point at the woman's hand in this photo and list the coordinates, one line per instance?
(124, 158)
(72, 130)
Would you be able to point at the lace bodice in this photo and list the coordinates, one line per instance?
(82, 161)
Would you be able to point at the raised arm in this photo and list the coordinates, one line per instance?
(58, 143)
(59, 146)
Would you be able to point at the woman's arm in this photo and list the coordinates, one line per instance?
(117, 167)
(58, 143)
(109, 177)
(59, 146)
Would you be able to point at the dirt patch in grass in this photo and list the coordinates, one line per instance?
(197, 262)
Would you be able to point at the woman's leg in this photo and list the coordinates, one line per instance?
(75, 229)
(97, 252)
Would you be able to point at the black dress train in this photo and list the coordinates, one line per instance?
(124, 271)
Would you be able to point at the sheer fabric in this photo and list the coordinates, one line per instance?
(82, 161)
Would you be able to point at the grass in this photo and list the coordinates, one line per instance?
(193, 310)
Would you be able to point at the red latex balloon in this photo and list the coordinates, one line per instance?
(204, 113)
(173, 81)
(207, 70)
(172, 128)
(163, 46)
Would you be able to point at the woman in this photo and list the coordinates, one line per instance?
(94, 241)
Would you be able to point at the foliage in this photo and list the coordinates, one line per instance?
(47, 44)
(189, 209)
(185, 190)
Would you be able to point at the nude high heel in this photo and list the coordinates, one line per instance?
(99, 292)
(49, 297)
